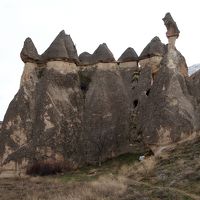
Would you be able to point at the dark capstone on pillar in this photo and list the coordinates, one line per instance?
(172, 30)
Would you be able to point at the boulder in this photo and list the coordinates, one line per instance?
(29, 52)
(128, 55)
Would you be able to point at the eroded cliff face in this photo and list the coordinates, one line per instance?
(166, 110)
(74, 110)
(107, 109)
(67, 113)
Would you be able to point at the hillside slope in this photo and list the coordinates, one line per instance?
(174, 174)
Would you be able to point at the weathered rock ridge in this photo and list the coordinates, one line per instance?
(101, 55)
(74, 110)
(67, 113)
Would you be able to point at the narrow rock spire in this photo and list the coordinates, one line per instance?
(172, 30)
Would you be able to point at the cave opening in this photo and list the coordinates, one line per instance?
(147, 92)
(135, 103)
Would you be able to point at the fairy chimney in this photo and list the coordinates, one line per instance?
(172, 30)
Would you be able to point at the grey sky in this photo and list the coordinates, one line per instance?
(119, 23)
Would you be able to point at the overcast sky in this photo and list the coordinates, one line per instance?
(119, 23)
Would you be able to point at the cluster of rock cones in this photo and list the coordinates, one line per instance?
(84, 109)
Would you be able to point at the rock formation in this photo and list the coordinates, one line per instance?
(128, 55)
(101, 55)
(152, 55)
(71, 111)
(165, 110)
(172, 30)
(65, 113)
(62, 48)
(85, 58)
(154, 48)
(29, 52)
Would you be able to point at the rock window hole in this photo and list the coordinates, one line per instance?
(135, 103)
(147, 92)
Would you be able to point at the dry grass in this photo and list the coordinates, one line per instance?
(139, 170)
(106, 187)
(174, 174)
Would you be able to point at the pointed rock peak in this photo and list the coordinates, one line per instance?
(29, 52)
(62, 48)
(71, 49)
(156, 39)
(57, 50)
(103, 54)
(128, 55)
(172, 28)
(85, 58)
(154, 48)
(62, 33)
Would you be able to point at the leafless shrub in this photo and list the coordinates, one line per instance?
(44, 168)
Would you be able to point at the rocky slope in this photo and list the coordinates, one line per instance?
(174, 174)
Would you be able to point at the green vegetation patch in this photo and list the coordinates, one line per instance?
(90, 172)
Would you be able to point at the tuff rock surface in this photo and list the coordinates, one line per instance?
(77, 110)
(152, 55)
(66, 113)
(166, 110)
(29, 52)
(101, 55)
(172, 28)
(154, 48)
(62, 48)
(128, 55)
(85, 58)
